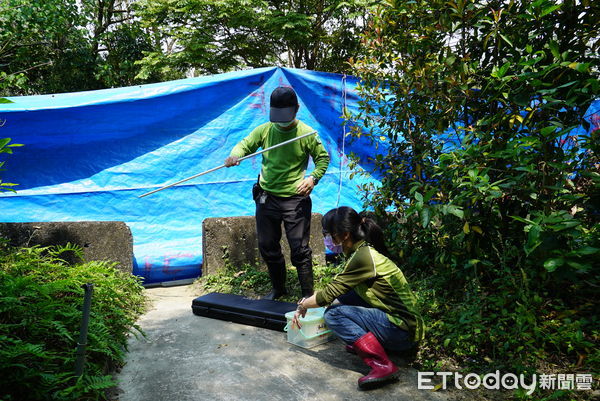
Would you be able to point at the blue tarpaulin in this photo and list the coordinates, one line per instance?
(87, 156)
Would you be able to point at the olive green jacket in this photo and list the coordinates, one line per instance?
(378, 281)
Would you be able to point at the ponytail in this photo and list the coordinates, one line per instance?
(345, 219)
(374, 235)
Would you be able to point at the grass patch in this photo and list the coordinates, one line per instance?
(252, 282)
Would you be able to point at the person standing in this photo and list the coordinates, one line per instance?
(282, 193)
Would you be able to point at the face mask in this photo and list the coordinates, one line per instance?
(286, 124)
(332, 246)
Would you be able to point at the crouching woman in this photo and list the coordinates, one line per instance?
(374, 308)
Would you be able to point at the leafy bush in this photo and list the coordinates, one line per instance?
(476, 107)
(40, 316)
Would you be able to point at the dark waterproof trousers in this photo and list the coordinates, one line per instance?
(295, 213)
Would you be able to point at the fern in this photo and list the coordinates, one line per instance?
(98, 383)
(69, 249)
(40, 315)
(60, 328)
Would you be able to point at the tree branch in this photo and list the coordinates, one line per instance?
(27, 69)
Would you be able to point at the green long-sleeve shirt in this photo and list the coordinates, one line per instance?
(285, 167)
(378, 281)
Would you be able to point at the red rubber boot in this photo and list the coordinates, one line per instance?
(372, 353)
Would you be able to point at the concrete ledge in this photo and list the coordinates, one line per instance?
(234, 239)
(100, 240)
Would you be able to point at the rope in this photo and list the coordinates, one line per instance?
(343, 154)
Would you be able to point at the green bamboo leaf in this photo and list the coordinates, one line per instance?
(587, 250)
(548, 130)
(583, 267)
(506, 39)
(455, 210)
(425, 217)
(522, 98)
(533, 239)
(450, 60)
(549, 10)
(554, 49)
(429, 194)
(553, 264)
(410, 211)
(503, 69)
(579, 67)
(565, 225)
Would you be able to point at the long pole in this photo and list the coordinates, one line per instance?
(221, 166)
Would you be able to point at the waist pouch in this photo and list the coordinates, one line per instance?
(256, 190)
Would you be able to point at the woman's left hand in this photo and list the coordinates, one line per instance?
(300, 312)
(303, 305)
(296, 319)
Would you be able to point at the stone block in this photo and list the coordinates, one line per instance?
(234, 239)
(100, 240)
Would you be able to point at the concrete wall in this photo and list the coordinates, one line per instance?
(100, 240)
(234, 238)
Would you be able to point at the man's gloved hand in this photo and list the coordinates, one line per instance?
(306, 186)
(232, 161)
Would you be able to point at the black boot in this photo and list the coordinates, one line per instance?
(305, 277)
(274, 294)
(277, 273)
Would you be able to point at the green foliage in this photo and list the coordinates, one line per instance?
(15, 81)
(38, 40)
(500, 229)
(49, 46)
(40, 317)
(317, 35)
(125, 45)
(6, 148)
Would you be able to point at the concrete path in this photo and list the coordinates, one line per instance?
(187, 358)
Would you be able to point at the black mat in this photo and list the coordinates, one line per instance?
(238, 309)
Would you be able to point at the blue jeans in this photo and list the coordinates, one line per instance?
(353, 318)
